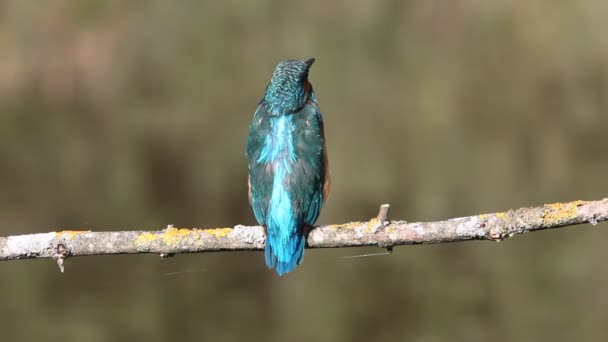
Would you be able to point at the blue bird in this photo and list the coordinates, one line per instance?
(287, 159)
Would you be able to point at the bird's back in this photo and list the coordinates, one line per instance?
(287, 170)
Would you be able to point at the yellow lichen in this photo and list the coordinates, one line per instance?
(171, 236)
(556, 213)
(350, 225)
(371, 225)
(145, 239)
(502, 215)
(218, 232)
(69, 234)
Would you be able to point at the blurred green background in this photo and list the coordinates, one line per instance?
(133, 115)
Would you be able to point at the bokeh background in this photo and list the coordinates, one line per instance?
(133, 115)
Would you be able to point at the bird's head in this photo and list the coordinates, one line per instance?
(289, 88)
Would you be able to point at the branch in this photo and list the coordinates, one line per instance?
(378, 231)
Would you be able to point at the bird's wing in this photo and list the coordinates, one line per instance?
(260, 175)
(309, 176)
(327, 175)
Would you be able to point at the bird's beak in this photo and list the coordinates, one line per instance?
(309, 62)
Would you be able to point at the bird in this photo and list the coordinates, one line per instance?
(287, 164)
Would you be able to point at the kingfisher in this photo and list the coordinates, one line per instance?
(287, 160)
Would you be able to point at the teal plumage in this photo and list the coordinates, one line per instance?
(287, 159)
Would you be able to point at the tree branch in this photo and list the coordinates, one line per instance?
(378, 231)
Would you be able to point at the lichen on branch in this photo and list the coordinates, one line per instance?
(378, 231)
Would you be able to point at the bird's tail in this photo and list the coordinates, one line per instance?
(284, 228)
(284, 257)
(285, 239)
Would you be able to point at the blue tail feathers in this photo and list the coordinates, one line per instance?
(284, 258)
(284, 233)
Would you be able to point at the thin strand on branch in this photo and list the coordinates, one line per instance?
(378, 231)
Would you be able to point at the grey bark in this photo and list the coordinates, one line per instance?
(378, 231)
